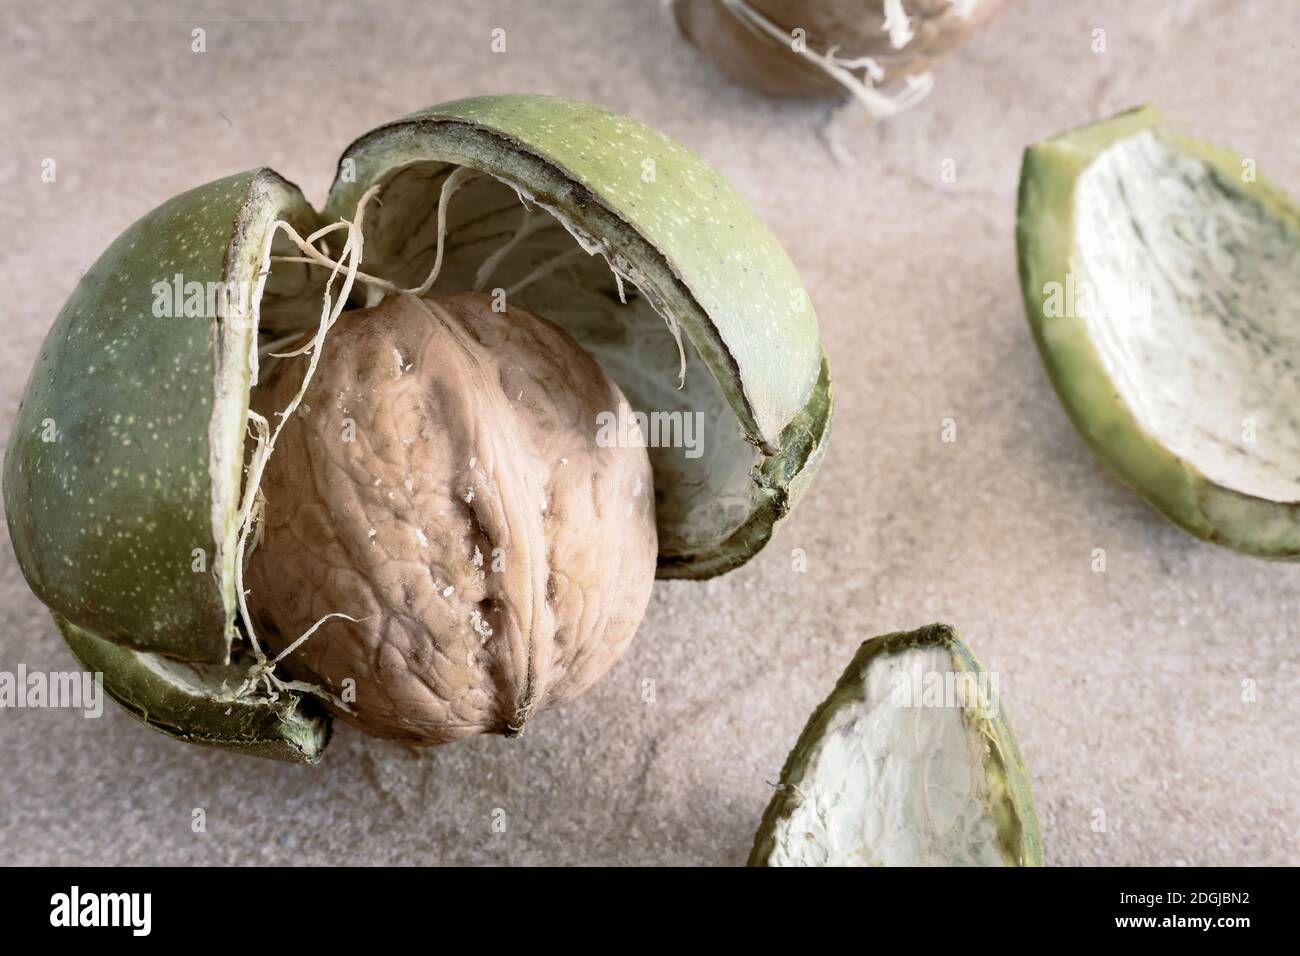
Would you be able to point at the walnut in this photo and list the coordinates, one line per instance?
(754, 41)
(442, 481)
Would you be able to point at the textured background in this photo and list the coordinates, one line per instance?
(1125, 687)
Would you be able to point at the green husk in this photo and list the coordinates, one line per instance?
(730, 289)
(1045, 238)
(1009, 807)
(126, 525)
(194, 703)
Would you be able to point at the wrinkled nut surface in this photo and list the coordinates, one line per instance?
(443, 480)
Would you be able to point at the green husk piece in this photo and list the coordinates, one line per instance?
(894, 768)
(122, 474)
(124, 467)
(675, 229)
(1210, 232)
(193, 703)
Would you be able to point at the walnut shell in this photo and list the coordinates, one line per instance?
(854, 27)
(443, 481)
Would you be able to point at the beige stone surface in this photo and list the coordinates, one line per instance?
(1125, 687)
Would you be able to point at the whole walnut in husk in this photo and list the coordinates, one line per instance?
(442, 481)
(852, 29)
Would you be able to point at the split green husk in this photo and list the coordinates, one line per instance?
(125, 484)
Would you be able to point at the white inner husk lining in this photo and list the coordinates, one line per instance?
(1188, 288)
(893, 780)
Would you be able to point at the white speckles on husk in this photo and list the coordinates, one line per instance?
(105, 519)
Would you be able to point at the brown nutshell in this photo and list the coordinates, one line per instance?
(442, 481)
(853, 28)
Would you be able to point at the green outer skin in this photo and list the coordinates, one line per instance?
(1045, 243)
(295, 729)
(1013, 801)
(104, 520)
(708, 260)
